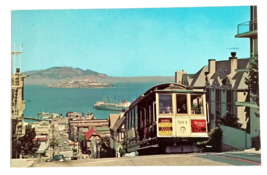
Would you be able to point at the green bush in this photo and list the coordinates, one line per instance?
(215, 140)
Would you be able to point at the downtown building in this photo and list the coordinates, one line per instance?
(17, 102)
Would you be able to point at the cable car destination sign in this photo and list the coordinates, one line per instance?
(165, 126)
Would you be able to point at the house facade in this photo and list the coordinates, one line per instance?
(117, 135)
(92, 138)
(249, 30)
(224, 82)
(224, 86)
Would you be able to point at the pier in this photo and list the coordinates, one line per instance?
(32, 118)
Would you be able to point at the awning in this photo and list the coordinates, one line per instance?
(247, 104)
(40, 139)
(42, 148)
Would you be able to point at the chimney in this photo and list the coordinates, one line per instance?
(17, 70)
(233, 63)
(179, 76)
(212, 66)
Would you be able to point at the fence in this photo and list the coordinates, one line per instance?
(235, 138)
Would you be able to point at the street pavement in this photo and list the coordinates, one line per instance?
(240, 158)
(192, 159)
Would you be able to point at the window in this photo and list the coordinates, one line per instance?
(127, 121)
(130, 120)
(150, 115)
(181, 102)
(218, 103)
(145, 123)
(165, 104)
(196, 104)
(154, 112)
(136, 116)
(122, 135)
(133, 118)
(207, 95)
(229, 101)
(141, 119)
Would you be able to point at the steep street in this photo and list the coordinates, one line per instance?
(193, 159)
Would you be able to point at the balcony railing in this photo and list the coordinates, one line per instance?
(247, 26)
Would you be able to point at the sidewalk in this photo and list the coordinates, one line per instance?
(252, 150)
(23, 163)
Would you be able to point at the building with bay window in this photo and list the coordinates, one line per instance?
(224, 85)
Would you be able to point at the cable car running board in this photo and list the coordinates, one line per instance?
(154, 146)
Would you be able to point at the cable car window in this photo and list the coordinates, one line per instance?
(196, 104)
(136, 115)
(150, 115)
(141, 119)
(165, 104)
(130, 119)
(127, 121)
(133, 116)
(181, 102)
(145, 124)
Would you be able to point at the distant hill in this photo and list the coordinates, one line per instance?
(61, 73)
(57, 75)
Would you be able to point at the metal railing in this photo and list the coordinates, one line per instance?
(247, 26)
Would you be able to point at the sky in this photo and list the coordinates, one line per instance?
(161, 41)
(129, 42)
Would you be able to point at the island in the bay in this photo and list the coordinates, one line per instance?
(86, 83)
(69, 77)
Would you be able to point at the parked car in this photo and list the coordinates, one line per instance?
(67, 158)
(48, 160)
(59, 157)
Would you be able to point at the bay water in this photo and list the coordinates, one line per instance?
(62, 100)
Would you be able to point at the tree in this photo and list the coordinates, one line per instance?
(105, 142)
(27, 144)
(230, 120)
(215, 139)
(252, 81)
(53, 142)
(44, 123)
(81, 138)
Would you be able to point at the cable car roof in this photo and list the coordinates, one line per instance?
(166, 87)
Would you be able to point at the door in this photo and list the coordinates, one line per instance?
(182, 119)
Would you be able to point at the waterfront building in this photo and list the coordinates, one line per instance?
(54, 116)
(73, 115)
(44, 116)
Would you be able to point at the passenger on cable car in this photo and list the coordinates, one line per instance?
(182, 109)
(168, 110)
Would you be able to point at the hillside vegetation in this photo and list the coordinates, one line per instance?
(57, 75)
(61, 73)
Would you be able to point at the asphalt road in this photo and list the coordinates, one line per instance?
(193, 159)
(61, 138)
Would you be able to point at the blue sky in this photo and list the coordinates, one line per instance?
(129, 42)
